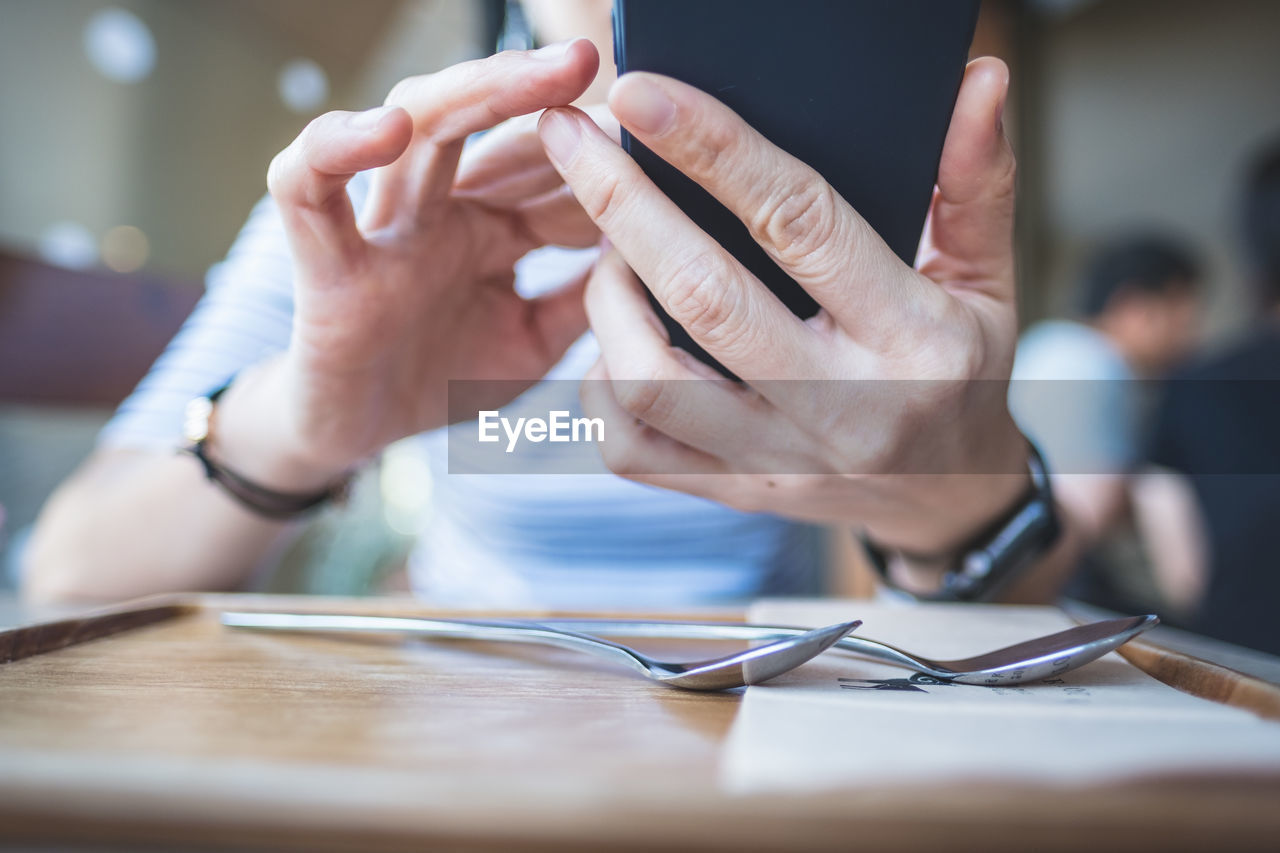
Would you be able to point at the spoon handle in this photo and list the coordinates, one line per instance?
(462, 629)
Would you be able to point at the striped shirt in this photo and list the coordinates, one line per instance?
(569, 541)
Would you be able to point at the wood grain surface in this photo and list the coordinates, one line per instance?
(1206, 680)
(186, 735)
(31, 640)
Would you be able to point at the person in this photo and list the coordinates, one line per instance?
(1216, 457)
(1080, 390)
(391, 258)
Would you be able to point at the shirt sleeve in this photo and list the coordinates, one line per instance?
(1077, 401)
(245, 315)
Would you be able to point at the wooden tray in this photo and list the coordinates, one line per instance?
(168, 729)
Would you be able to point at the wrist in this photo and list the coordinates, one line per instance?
(947, 511)
(999, 554)
(919, 570)
(255, 438)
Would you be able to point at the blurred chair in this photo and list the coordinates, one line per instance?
(82, 338)
(72, 345)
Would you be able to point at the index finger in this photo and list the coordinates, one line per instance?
(721, 304)
(463, 99)
(803, 223)
(450, 105)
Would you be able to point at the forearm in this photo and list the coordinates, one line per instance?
(1173, 530)
(131, 522)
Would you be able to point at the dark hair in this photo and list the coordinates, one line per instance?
(1146, 263)
(505, 25)
(1261, 221)
(494, 21)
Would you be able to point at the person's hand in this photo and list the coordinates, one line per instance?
(418, 288)
(923, 461)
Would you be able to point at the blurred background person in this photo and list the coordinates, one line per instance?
(1079, 391)
(1211, 509)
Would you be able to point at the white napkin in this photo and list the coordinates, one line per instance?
(841, 721)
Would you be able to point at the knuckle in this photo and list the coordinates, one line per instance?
(604, 198)
(950, 349)
(288, 172)
(402, 92)
(969, 358)
(702, 297)
(708, 154)
(799, 222)
(650, 399)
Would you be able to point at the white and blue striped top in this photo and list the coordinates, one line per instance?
(492, 540)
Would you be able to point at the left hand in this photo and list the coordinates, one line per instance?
(921, 462)
(417, 288)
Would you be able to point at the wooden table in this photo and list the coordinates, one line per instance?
(186, 735)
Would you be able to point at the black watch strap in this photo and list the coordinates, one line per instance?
(1001, 551)
(262, 501)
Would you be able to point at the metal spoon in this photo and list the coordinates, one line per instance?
(737, 670)
(1043, 657)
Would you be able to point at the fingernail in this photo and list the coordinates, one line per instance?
(561, 135)
(1000, 116)
(553, 52)
(642, 105)
(369, 119)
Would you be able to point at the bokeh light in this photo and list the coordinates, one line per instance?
(68, 244)
(303, 86)
(120, 45)
(406, 486)
(125, 249)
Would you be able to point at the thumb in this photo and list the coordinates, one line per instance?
(969, 237)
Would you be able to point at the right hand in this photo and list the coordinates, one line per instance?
(886, 410)
(419, 290)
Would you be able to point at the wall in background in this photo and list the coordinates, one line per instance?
(183, 153)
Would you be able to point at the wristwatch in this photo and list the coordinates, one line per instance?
(1001, 552)
(198, 423)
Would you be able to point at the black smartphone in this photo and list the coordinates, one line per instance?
(861, 90)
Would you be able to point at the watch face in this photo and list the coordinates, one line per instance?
(195, 421)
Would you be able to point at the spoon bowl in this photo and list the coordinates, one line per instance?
(1032, 660)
